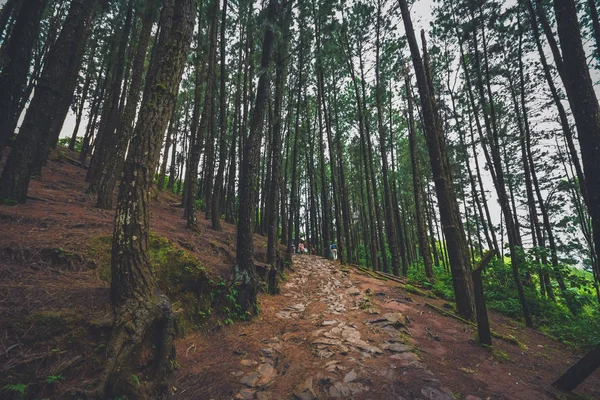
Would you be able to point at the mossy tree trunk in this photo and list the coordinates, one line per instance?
(141, 310)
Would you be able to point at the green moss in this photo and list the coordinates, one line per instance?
(45, 324)
(195, 297)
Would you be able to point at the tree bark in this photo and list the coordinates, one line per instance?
(113, 166)
(141, 310)
(15, 64)
(55, 88)
(455, 238)
(580, 90)
(244, 275)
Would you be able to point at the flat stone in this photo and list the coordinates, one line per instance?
(246, 363)
(350, 376)
(250, 379)
(435, 394)
(353, 291)
(305, 391)
(245, 394)
(396, 347)
(345, 390)
(327, 342)
(362, 345)
(350, 333)
(405, 358)
(267, 373)
(329, 322)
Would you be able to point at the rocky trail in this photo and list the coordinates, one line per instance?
(334, 333)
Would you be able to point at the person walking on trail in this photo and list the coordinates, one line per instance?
(334, 251)
(301, 248)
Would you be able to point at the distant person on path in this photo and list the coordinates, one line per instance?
(334, 251)
(301, 248)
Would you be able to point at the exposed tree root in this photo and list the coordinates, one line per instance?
(140, 323)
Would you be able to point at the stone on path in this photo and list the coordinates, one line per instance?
(396, 347)
(245, 394)
(305, 391)
(350, 376)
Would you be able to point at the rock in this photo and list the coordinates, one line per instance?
(327, 342)
(350, 333)
(435, 394)
(305, 391)
(246, 363)
(267, 373)
(329, 322)
(405, 358)
(237, 374)
(362, 345)
(353, 291)
(398, 320)
(250, 379)
(245, 394)
(267, 352)
(396, 347)
(344, 390)
(350, 376)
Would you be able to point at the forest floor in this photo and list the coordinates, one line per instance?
(332, 332)
(335, 333)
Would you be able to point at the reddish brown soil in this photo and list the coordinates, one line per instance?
(47, 265)
(512, 372)
(59, 215)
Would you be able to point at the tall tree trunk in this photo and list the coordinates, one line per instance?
(417, 192)
(244, 275)
(106, 144)
(196, 148)
(15, 64)
(390, 225)
(455, 238)
(218, 187)
(142, 312)
(55, 88)
(116, 155)
(580, 90)
(273, 199)
(84, 93)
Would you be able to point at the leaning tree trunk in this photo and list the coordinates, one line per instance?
(244, 275)
(580, 90)
(141, 310)
(417, 191)
(55, 87)
(455, 237)
(16, 59)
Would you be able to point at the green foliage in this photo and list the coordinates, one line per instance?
(64, 142)
(52, 379)
(16, 388)
(552, 318)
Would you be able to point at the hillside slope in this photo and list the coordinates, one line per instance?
(333, 332)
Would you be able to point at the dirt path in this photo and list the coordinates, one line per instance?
(333, 333)
(321, 338)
